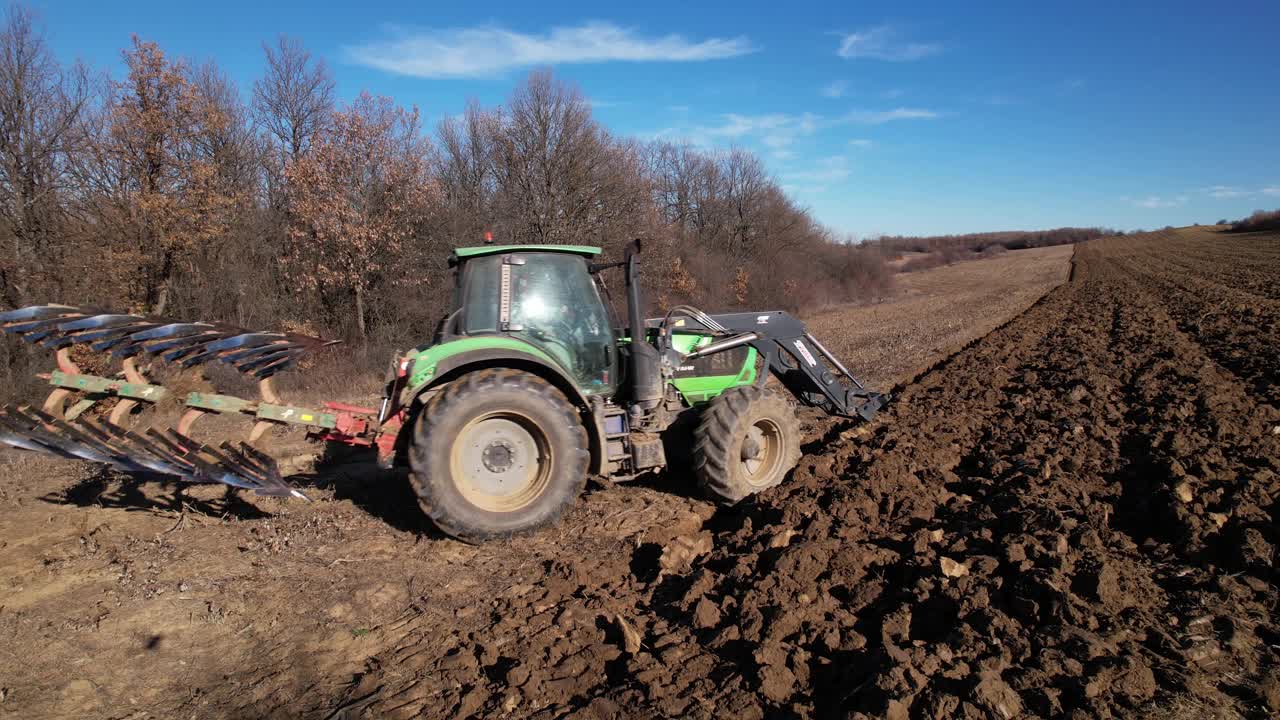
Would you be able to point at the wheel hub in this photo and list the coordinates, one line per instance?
(498, 456)
(499, 463)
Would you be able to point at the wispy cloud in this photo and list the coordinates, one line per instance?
(1155, 202)
(801, 191)
(826, 170)
(883, 43)
(490, 50)
(776, 131)
(836, 89)
(1226, 192)
(879, 117)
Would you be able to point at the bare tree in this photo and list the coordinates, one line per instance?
(40, 108)
(466, 171)
(292, 103)
(561, 176)
(293, 100)
(224, 137)
(674, 171)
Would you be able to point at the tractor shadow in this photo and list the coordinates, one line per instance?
(154, 493)
(352, 474)
(677, 478)
(349, 475)
(679, 481)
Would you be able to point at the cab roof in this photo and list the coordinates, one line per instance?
(469, 252)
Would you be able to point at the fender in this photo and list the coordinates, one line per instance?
(439, 364)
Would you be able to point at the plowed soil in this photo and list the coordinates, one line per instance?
(1074, 515)
(934, 313)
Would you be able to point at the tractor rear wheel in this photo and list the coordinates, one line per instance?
(747, 441)
(499, 452)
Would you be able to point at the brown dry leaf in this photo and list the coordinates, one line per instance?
(630, 636)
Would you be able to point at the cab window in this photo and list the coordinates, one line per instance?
(554, 305)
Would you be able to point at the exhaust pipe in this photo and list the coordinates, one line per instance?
(646, 375)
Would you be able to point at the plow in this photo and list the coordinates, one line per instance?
(529, 386)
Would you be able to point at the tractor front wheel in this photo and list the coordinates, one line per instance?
(747, 441)
(499, 452)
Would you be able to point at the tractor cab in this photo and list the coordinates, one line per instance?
(542, 295)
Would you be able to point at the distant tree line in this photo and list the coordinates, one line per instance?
(1259, 220)
(938, 250)
(978, 242)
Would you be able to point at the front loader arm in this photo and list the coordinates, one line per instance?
(800, 362)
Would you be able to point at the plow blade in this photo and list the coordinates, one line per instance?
(164, 452)
(257, 354)
(86, 416)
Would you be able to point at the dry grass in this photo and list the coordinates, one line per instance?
(937, 311)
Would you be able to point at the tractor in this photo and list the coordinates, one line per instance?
(529, 387)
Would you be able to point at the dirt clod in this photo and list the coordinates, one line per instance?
(706, 614)
(995, 696)
(680, 553)
(953, 569)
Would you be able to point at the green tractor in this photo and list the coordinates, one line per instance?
(528, 388)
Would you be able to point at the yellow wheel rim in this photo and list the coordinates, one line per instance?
(761, 454)
(501, 462)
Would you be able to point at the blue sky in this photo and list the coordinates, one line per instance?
(880, 117)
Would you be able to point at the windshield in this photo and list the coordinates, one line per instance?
(554, 305)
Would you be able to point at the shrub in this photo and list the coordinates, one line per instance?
(1259, 220)
(924, 262)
